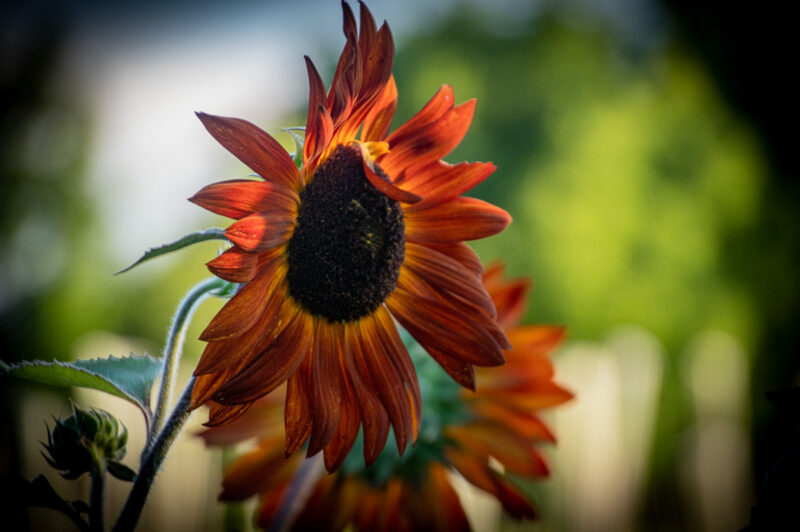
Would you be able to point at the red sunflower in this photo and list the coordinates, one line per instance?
(369, 230)
(499, 424)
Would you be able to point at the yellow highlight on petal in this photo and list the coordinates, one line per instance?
(376, 148)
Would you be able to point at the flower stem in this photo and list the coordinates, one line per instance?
(173, 349)
(152, 462)
(297, 493)
(96, 498)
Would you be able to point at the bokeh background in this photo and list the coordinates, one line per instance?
(645, 149)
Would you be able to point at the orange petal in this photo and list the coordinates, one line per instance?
(243, 309)
(262, 231)
(436, 325)
(511, 300)
(459, 219)
(430, 142)
(440, 181)
(477, 472)
(325, 386)
(436, 107)
(379, 118)
(270, 369)
(255, 148)
(378, 60)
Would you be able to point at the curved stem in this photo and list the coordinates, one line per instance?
(173, 349)
(297, 493)
(96, 499)
(152, 462)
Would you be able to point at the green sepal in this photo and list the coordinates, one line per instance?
(120, 471)
(214, 233)
(130, 378)
(298, 144)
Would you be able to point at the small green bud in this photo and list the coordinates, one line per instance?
(77, 444)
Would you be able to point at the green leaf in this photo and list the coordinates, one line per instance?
(120, 471)
(41, 493)
(214, 233)
(130, 378)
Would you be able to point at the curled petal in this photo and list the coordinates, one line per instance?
(384, 186)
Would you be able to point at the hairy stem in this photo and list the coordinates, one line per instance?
(152, 462)
(173, 349)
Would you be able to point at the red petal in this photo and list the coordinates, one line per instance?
(463, 254)
(297, 410)
(444, 273)
(255, 148)
(342, 441)
(243, 309)
(222, 414)
(223, 354)
(234, 265)
(456, 220)
(316, 99)
(437, 325)
(397, 353)
(380, 373)
(262, 231)
(325, 385)
(375, 419)
(461, 372)
(241, 197)
(272, 367)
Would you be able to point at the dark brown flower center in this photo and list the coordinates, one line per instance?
(348, 244)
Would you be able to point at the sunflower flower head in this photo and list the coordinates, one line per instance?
(369, 230)
(490, 437)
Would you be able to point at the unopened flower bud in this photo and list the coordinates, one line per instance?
(78, 443)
